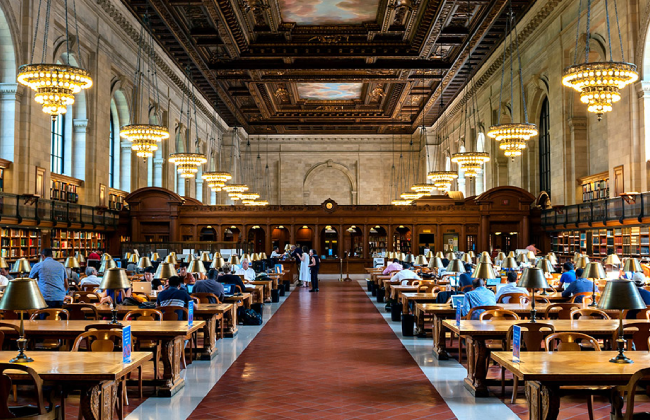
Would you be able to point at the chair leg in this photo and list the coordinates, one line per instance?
(15, 390)
(503, 382)
(590, 406)
(515, 389)
(155, 362)
(140, 381)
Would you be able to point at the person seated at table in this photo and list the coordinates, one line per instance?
(188, 282)
(132, 267)
(246, 271)
(480, 296)
(404, 275)
(229, 278)
(94, 255)
(156, 284)
(184, 275)
(445, 261)
(568, 274)
(173, 295)
(393, 266)
(276, 252)
(73, 275)
(640, 280)
(510, 287)
(465, 279)
(91, 278)
(210, 285)
(579, 272)
(578, 286)
(113, 296)
(5, 273)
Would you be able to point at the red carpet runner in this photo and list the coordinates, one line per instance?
(327, 355)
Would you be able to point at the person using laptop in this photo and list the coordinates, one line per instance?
(246, 271)
(465, 279)
(510, 287)
(229, 278)
(210, 285)
(173, 295)
(91, 278)
(480, 296)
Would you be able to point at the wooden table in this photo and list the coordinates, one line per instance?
(257, 291)
(396, 290)
(417, 298)
(477, 333)
(171, 334)
(267, 287)
(545, 372)
(212, 314)
(100, 378)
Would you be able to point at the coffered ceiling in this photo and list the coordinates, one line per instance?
(328, 66)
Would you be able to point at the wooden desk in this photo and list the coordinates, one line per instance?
(545, 372)
(397, 289)
(416, 298)
(208, 312)
(387, 285)
(267, 287)
(171, 334)
(99, 377)
(257, 291)
(477, 332)
(245, 299)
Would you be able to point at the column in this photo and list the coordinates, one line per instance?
(389, 238)
(267, 240)
(438, 239)
(484, 234)
(292, 235)
(525, 232)
(643, 92)
(125, 166)
(462, 239)
(158, 172)
(577, 164)
(78, 161)
(8, 107)
(199, 190)
(366, 241)
(316, 241)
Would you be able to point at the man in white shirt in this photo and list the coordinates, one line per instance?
(3, 280)
(246, 271)
(511, 287)
(91, 278)
(276, 253)
(405, 275)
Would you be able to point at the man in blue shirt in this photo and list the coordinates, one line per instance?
(173, 295)
(465, 279)
(568, 274)
(639, 280)
(51, 279)
(577, 286)
(480, 296)
(211, 285)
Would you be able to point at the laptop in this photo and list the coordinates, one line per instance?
(457, 300)
(143, 287)
(229, 290)
(493, 282)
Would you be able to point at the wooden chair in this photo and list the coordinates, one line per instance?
(103, 327)
(541, 299)
(143, 315)
(206, 297)
(532, 337)
(513, 297)
(639, 332)
(89, 288)
(583, 295)
(469, 316)
(563, 310)
(481, 308)
(85, 297)
(32, 412)
(9, 315)
(81, 311)
(467, 288)
(498, 314)
(630, 391)
(151, 345)
(53, 314)
(589, 314)
(576, 342)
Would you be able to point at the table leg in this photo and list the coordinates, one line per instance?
(171, 351)
(405, 306)
(230, 318)
(439, 339)
(477, 356)
(209, 338)
(388, 292)
(616, 400)
(99, 402)
(543, 401)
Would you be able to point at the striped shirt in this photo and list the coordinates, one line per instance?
(173, 297)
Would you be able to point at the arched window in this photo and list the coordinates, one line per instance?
(57, 150)
(111, 153)
(544, 149)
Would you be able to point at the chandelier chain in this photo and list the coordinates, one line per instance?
(618, 27)
(521, 79)
(47, 29)
(588, 31)
(575, 52)
(503, 73)
(609, 33)
(76, 30)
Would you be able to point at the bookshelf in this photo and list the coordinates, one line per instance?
(378, 244)
(402, 240)
(20, 243)
(66, 243)
(115, 202)
(64, 188)
(633, 241)
(595, 187)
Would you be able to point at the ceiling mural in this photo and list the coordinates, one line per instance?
(328, 12)
(329, 91)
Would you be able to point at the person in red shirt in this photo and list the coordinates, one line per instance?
(94, 255)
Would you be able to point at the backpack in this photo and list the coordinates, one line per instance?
(251, 317)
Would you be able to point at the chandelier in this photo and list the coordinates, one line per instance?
(442, 180)
(187, 164)
(470, 162)
(410, 196)
(144, 138)
(423, 189)
(401, 202)
(512, 136)
(55, 84)
(248, 197)
(235, 190)
(216, 180)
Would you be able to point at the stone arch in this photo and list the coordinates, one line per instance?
(9, 54)
(121, 149)
(339, 174)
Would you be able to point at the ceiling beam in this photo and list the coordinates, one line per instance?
(332, 65)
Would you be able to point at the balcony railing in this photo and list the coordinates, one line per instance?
(27, 207)
(599, 211)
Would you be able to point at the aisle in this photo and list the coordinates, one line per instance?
(327, 355)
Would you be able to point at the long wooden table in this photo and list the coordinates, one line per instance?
(546, 372)
(171, 334)
(267, 287)
(100, 378)
(478, 332)
(416, 298)
(208, 312)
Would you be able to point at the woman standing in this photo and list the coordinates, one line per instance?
(304, 267)
(314, 265)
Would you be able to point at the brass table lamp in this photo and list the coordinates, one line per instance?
(440, 255)
(196, 266)
(409, 259)
(106, 265)
(582, 262)
(263, 256)
(545, 265)
(165, 271)
(509, 264)
(3, 263)
(217, 263)
(621, 295)
(466, 258)
(501, 256)
(234, 260)
(171, 259)
(133, 259)
(533, 278)
(80, 258)
(115, 279)
(205, 256)
(522, 258)
(511, 254)
(456, 267)
(71, 262)
(144, 263)
(22, 266)
(472, 254)
(421, 261)
(632, 265)
(155, 256)
(594, 271)
(255, 257)
(436, 263)
(484, 271)
(485, 258)
(22, 295)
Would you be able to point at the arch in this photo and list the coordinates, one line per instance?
(120, 150)
(8, 86)
(333, 168)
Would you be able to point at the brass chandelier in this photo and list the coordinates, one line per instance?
(470, 162)
(599, 83)
(216, 179)
(55, 84)
(512, 137)
(442, 180)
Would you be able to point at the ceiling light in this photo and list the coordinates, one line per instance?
(470, 162)
(187, 164)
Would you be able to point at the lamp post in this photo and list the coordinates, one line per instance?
(533, 278)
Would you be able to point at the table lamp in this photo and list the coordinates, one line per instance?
(287, 247)
(218, 262)
(632, 265)
(165, 271)
(511, 254)
(485, 258)
(440, 255)
(71, 262)
(522, 259)
(106, 257)
(196, 266)
(421, 261)
(594, 271)
(127, 256)
(456, 267)
(545, 265)
(106, 265)
(576, 257)
(246, 257)
(401, 256)
(450, 256)
(137, 253)
(509, 264)
(115, 279)
(144, 263)
(612, 259)
(205, 256)
(22, 295)
(255, 257)
(171, 259)
(551, 257)
(389, 255)
(472, 254)
(133, 259)
(466, 258)
(155, 256)
(80, 258)
(436, 263)
(501, 256)
(429, 255)
(3, 263)
(409, 259)
(484, 271)
(582, 263)
(621, 295)
(533, 278)
(21, 266)
(263, 256)
(234, 260)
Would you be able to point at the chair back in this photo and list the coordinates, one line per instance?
(51, 314)
(498, 314)
(578, 297)
(640, 332)
(174, 313)
(206, 297)
(99, 341)
(11, 327)
(85, 297)
(467, 288)
(630, 389)
(541, 299)
(143, 315)
(513, 297)
(560, 310)
(445, 295)
(10, 315)
(532, 335)
(589, 314)
(566, 341)
(81, 311)
(481, 308)
(103, 327)
(89, 288)
(6, 386)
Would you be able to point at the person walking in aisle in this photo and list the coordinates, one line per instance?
(52, 279)
(305, 277)
(314, 265)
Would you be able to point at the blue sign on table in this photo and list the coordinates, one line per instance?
(459, 309)
(190, 313)
(126, 344)
(278, 268)
(516, 342)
